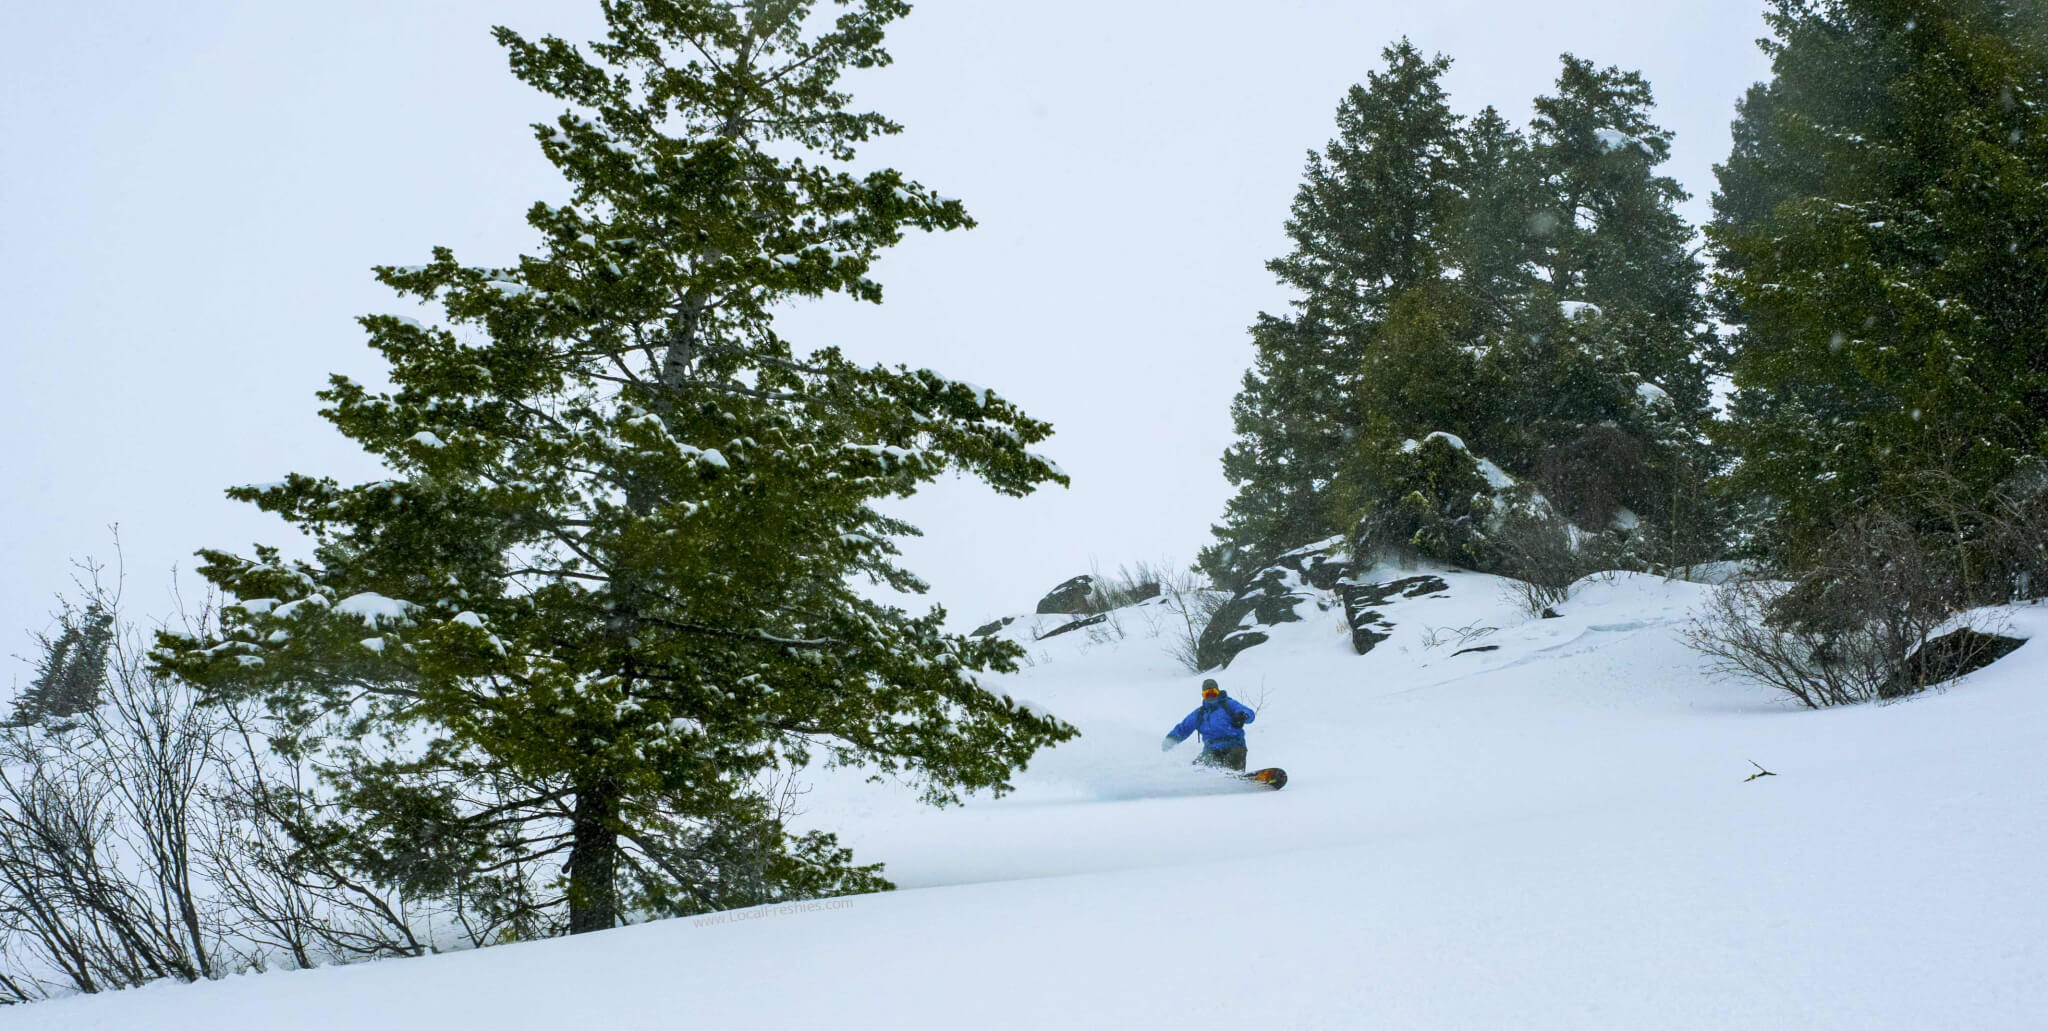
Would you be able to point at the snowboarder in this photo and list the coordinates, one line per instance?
(1221, 720)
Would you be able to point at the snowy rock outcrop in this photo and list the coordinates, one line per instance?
(1069, 599)
(1322, 575)
(1095, 620)
(1361, 606)
(992, 626)
(1272, 597)
(1954, 654)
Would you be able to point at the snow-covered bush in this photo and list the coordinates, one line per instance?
(1435, 503)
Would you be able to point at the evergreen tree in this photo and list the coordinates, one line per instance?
(1368, 222)
(1609, 230)
(1423, 372)
(1879, 236)
(1564, 340)
(1495, 241)
(606, 593)
(72, 672)
(1604, 362)
(1535, 296)
(1370, 218)
(1290, 418)
(1612, 236)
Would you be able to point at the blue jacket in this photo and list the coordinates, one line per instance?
(1213, 720)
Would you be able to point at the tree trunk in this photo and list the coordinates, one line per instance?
(594, 858)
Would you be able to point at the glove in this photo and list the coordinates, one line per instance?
(1237, 720)
(1167, 745)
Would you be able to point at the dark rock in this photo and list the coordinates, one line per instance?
(991, 627)
(1318, 564)
(1368, 626)
(1324, 571)
(1069, 599)
(1368, 629)
(1480, 648)
(1075, 625)
(1271, 598)
(1228, 648)
(1144, 592)
(1550, 613)
(1946, 658)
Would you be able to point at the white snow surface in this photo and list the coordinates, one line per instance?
(1556, 833)
(1496, 477)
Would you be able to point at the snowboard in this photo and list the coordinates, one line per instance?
(1272, 776)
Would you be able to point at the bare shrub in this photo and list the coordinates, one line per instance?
(1689, 526)
(1849, 629)
(1463, 636)
(98, 884)
(1539, 550)
(1997, 544)
(1127, 585)
(289, 899)
(1156, 599)
(1109, 627)
(152, 836)
(1736, 631)
(1193, 602)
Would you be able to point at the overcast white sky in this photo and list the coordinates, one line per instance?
(193, 194)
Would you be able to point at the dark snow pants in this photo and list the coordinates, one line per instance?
(1230, 757)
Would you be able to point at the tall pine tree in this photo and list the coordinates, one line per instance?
(1881, 233)
(1537, 296)
(1367, 223)
(1609, 233)
(1608, 400)
(1493, 244)
(607, 593)
(1563, 339)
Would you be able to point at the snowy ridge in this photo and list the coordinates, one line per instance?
(1552, 833)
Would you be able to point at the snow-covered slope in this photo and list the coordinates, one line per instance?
(1556, 833)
